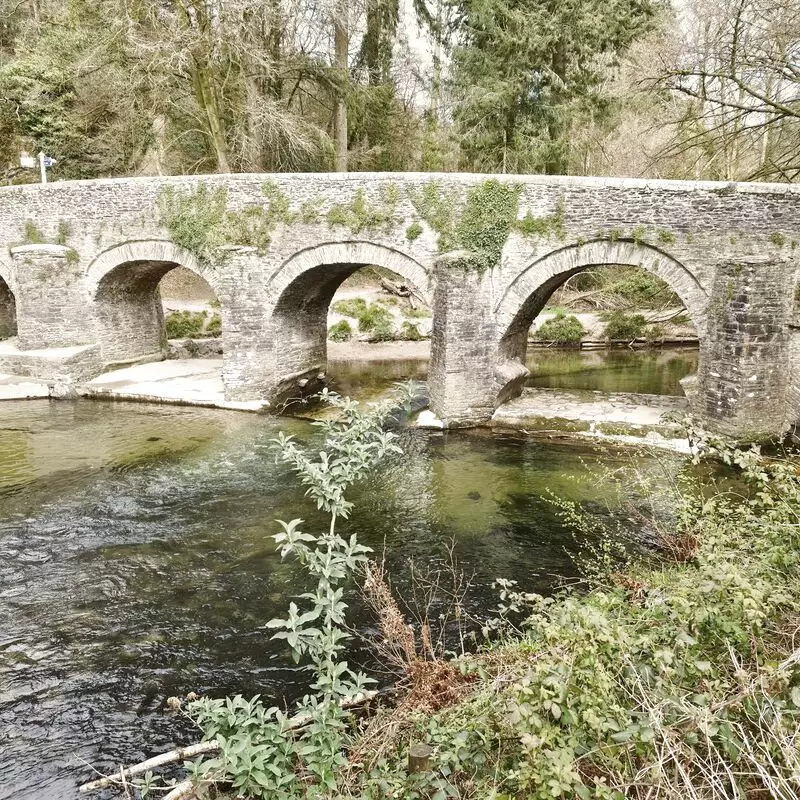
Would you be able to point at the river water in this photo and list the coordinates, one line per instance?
(136, 560)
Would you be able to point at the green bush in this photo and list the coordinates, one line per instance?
(341, 331)
(620, 325)
(373, 317)
(382, 331)
(562, 329)
(352, 307)
(186, 324)
(410, 332)
(214, 327)
(413, 231)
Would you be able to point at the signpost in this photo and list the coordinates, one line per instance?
(45, 162)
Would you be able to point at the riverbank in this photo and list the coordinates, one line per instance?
(674, 676)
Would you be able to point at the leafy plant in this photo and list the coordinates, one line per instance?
(341, 331)
(561, 329)
(619, 325)
(413, 231)
(551, 224)
(258, 755)
(361, 215)
(351, 307)
(410, 332)
(186, 324)
(374, 317)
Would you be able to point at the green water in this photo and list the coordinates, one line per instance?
(653, 371)
(136, 561)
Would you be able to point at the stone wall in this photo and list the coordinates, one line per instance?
(729, 250)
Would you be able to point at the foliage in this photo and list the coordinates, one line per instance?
(677, 677)
(350, 307)
(619, 325)
(373, 317)
(413, 231)
(192, 324)
(561, 329)
(410, 332)
(360, 215)
(543, 226)
(195, 219)
(258, 755)
(417, 313)
(200, 221)
(32, 234)
(486, 221)
(342, 331)
(523, 75)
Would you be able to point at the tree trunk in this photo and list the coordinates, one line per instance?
(341, 47)
(207, 98)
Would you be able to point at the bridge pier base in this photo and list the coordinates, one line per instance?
(461, 376)
(51, 305)
(744, 378)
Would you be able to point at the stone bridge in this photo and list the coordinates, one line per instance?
(80, 264)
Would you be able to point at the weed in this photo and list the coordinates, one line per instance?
(342, 331)
(413, 231)
(351, 307)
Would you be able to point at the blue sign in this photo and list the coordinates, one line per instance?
(48, 162)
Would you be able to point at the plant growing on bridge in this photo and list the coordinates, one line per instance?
(363, 215)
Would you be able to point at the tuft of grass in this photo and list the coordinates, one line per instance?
(351, 307)
(342, 331)
(192, 324)
(373, 318)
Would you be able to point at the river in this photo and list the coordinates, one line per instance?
(136, 560)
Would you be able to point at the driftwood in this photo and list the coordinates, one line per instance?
(185, 789)
(179, 754)
(400, 290)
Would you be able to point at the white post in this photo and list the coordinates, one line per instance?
(42, 168)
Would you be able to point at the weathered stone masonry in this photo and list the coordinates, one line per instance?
(730, 251)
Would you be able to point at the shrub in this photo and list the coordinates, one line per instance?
(562, 329)
(410, 332)
(620, 325)
(373, 317)
(341, 331)
(185, 324)
(214, 327)
(382, 331)
(351, 307)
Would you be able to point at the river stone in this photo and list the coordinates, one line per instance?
(427, 419)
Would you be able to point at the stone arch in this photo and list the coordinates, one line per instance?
(300, 291)
(123, 288)
(529, 292)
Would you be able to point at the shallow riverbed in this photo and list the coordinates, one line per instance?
(136, 559)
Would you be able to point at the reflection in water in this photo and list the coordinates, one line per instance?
(136, 562)
(646, 371)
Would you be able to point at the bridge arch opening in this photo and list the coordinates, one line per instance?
(142, 302)
(304, 289)
(8, 311)
(677, 312)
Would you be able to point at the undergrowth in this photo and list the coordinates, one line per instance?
(561, 329)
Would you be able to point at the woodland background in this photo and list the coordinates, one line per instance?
(700, 89)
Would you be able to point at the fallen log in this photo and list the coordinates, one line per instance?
(180, 754)
(173, 756)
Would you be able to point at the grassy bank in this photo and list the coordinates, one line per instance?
(672, 677)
